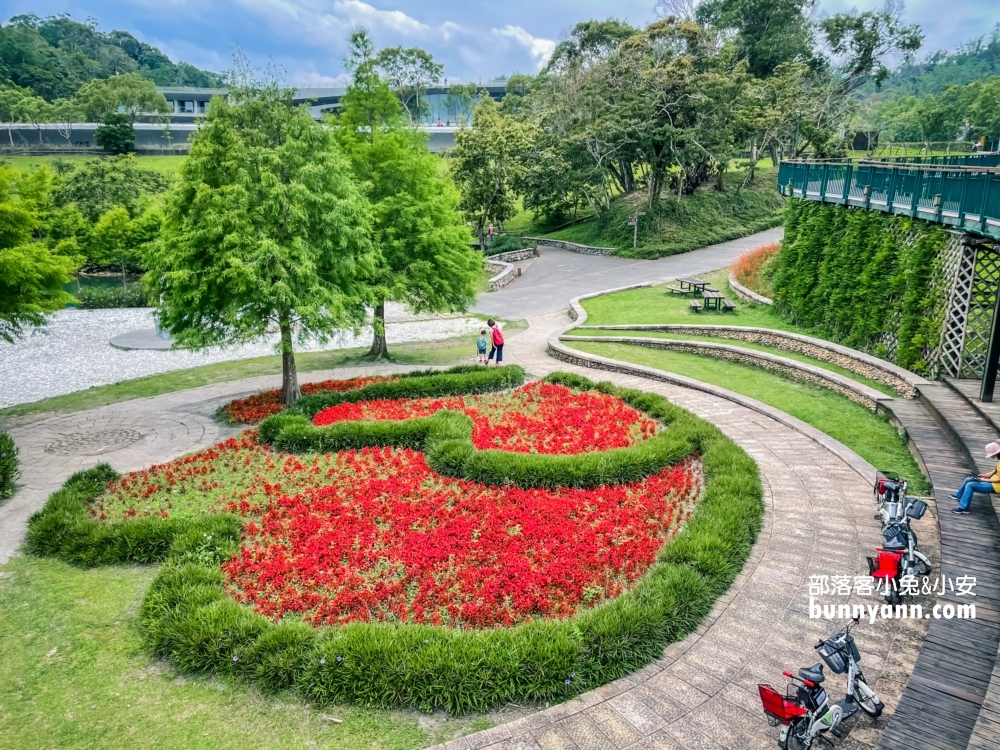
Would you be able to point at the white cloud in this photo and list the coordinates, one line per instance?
(365, 14)
(539, 48)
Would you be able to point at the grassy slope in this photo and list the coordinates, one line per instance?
(747, 345)
(449, 351)
(873, 438)
(73, 674)
(865, 433)
(167, 165)
(705, 218)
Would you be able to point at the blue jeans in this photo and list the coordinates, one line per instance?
(970, 485)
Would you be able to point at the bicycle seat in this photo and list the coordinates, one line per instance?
(894, 545)
(813, 673)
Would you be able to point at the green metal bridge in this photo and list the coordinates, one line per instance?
(959, 191)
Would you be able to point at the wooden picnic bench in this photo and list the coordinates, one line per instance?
(695, 305)
(691, 284)
(677, 290)
(712, 300)
(728, 305)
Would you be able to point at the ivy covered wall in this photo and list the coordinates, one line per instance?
(865, 279)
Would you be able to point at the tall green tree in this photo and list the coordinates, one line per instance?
(409, 73)
(98, 185)
(425, 259)
(486, 164)
(265, 228)
(130, 94)
(31, 274)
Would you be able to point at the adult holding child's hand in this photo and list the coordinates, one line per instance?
(497, 348)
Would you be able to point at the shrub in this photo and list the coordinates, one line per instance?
(457, 381)
(8, 465)
(754, 268)
(131, 295)
(505, 243)
(188, 617)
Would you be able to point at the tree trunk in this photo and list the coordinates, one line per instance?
(379, 348)
(290, 391)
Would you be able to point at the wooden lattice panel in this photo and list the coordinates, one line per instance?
(956, 267)
(981, 304)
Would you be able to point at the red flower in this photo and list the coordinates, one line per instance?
(253, 409)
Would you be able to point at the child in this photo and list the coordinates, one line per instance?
(481, 346)
(497, 341)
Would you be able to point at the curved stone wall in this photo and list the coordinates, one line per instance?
(748, 294)
(902, 381)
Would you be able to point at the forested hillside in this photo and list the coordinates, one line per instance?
(56, 55)
(975, 60)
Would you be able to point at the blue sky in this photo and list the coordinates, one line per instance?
(473, 38)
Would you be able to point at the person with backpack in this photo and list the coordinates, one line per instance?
(497, 341)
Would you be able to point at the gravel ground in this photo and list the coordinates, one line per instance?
(72, 353)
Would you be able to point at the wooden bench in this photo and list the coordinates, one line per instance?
(728, 305)
(678, 290)
(695, 305)
(709, 289)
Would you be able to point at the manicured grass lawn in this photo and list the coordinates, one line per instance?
(446, 352)
(873, 438)
(73, 674)
(167, 165)
(746, 345)
(657, 305)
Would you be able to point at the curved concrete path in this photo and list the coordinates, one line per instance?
(702, 693)
(558, 275)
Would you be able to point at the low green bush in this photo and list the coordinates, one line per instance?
(457, 381)
(9, 465)
(188, 617)
(93, 298)
(504, 243)
(446, 439)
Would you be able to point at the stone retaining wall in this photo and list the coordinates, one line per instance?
(505, 273)
(851, 389)
(748, 294)
(513, 256)
(900, 380)
(573, 246)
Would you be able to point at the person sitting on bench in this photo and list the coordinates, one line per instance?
(978, 483)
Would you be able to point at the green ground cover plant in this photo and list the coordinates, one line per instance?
(188, 617)
(857, 276)
(92, 298)
(868, 434)
(9, 466)
(743, 345)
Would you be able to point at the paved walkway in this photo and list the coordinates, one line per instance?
(702, 693)
(559, 275)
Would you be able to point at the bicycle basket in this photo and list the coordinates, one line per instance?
(779, 709)
(916, 509)
(835, 657)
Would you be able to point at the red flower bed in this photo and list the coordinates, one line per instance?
(535, 418)
(375, 535)
(392, 541)
(260, 406)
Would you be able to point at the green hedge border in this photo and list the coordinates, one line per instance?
(9, 466)
(455, 381)
(446, 440)
(188, 617)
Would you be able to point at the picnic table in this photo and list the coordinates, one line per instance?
(712, 300)
(691, 284)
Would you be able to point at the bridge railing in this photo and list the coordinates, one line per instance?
(963, 196)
